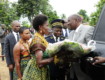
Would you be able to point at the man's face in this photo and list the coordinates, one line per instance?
(57, 32)
(72, 24)
(65, 25)
(16, 27)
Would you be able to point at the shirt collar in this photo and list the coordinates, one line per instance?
(55, 37)
(14, 32)
(78, 28)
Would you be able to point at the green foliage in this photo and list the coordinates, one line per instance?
(52, 15)
(25, 23)
(95, 15)
(30, 8)
(25, 8)
(84, 15)
(7, 13)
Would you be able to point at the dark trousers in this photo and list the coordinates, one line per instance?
(56, 73)
(96, 72)
(2, 46)
(11, 75)
(52, 71)
(60, 73)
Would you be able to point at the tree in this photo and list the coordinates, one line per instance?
(95, 15)
(84, 15)
(30, 8)
(7, 12)
(25, 23)
(1, 1)
(52, 15)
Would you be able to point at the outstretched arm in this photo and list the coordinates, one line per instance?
(99, 60)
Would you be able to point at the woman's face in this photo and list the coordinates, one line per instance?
(26, 34)
(45, 29)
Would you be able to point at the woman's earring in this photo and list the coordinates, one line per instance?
(40, 31)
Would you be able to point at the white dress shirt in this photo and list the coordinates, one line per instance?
(64, 32)
(15, 35)
(58, 38)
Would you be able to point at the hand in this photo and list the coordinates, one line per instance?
(99, 60)
(2, 56)
(51, 59)
(48, 61)
(56, 60)
(11, 67)
(19, 79)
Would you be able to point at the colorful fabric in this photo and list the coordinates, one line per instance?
(24, 54)
(32, 71)
(26, 51)
(39, 39)
(23, 62)
(23, 65)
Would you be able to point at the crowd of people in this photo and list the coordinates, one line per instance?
(25, 53)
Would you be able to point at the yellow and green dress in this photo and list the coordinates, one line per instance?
(32, 71)
(24, 59)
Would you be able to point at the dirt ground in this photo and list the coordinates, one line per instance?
(4, 74)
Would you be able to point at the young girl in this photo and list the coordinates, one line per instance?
(21, 53)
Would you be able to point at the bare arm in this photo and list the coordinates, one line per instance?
(16, 52)
(2, 56)
(39, 60)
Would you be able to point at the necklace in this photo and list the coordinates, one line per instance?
(25, 45)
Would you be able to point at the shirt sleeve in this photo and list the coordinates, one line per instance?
(37, 44)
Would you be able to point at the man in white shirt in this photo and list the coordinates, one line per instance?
(82, 34)
(65, 30)
(10, 41)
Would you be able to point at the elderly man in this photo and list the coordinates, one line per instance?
(10, 40)
(82, 34)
